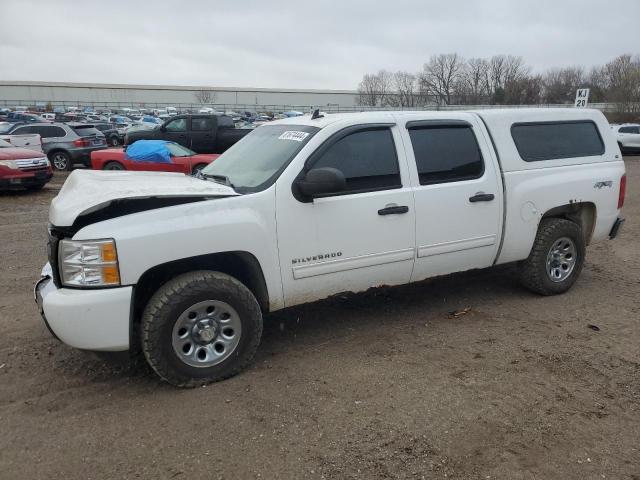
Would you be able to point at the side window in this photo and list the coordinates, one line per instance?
(629, 130)
(21, 131)
(556, 140)
(201, 124)
(177, 125)
(54, 132)
(446, 154)
(367, 158)
(225, 122)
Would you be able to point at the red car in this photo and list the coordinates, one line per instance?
(183, 160)
(23, 168)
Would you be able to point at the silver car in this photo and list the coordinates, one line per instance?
(66, 144)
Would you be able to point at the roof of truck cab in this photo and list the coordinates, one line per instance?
(490, 114)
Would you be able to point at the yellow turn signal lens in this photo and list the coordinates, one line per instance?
(110, 275)
(109, 252)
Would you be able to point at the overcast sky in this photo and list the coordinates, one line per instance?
(322, 44)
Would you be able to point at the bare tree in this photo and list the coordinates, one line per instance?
(504, 70)
(472, 87)
(205, 96)
(375, 89)
(440, 76)
(560, 84)
(405, 85)
(622, 77)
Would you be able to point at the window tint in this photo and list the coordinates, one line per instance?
(367, 158)
(225, 122)
(201, 124)
(177, 125)
(556, 140)
(21, 131)
(48, 131)
(629, 130)
(446, 154)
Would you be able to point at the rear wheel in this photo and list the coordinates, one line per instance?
(35, 188)
(556, 259)
(200, 327)
(114, 142)
(113, 166)
(60, 160)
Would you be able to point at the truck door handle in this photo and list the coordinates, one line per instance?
(393, 210)
(482, 197)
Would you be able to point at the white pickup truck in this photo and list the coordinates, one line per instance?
(183, 268)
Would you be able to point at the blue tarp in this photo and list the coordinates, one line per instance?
(155, 151)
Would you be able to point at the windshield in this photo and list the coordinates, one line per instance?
(177, 150)
(257, 159)
(5, 127)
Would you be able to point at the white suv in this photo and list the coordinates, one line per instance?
(628, 136)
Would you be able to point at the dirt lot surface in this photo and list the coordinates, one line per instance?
(387, 384)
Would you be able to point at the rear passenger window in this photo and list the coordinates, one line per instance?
(556, 140)
(367, 158)
(48, 131)
(629, 130)
(201, 124)
(446, 154)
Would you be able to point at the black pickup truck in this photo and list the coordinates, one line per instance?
(200, 133)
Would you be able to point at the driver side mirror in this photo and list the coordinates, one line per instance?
(321, 181)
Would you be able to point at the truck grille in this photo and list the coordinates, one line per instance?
(30, 164)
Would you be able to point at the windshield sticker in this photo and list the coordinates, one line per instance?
(292, 135)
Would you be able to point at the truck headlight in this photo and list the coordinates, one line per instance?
(88, 263)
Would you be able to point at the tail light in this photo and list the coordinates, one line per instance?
(81, 142)
(623, 190)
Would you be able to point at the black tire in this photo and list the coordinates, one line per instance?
(114, 141)
(533, 271)
(197, 168)
(60, 161)
(177, 296)
(113, 165)
(35, 188)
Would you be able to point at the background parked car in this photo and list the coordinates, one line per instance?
(111, 133)
(66, 144)
(183, 160)
(22, 168)
(628, 136)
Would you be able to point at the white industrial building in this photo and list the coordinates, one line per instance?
(14, 93)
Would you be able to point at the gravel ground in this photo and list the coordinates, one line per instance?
(387, 384)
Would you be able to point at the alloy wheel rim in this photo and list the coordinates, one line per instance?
(60, 161)
(561, 259)
(206, 333)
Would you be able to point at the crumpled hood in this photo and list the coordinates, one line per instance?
(87, 190)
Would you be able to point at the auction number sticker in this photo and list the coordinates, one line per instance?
(293, 135)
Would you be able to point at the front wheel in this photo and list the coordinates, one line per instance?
(556, 258)
(113, 166)
(200, 327)
(114, 141)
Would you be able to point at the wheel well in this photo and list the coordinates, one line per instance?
(56, 150)
(582, 213)
(113, 161)
(240, 265)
